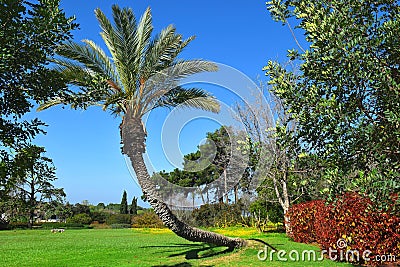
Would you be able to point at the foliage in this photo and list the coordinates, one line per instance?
(30, 32)
(80, 208)
(99, 216)
(55, 209)
(134, 207)
(33, 187)
(284, 173)
(118, 219)
(21, 225)
(218, 215)
(353, 218)
(345, 96)
(267, 210)
(147, 220)
(113, 207)
(120, 225)
(81, 218)
(68, 225)
(97, 225)
(123, 209)
(141, 74)
(303, 220)
(100, 206)
(204, 166)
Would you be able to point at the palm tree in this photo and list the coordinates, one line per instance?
(141, 75)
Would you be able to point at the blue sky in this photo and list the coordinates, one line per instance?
(85, 145)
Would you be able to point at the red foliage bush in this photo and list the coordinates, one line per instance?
(302, 220)
(351, 218)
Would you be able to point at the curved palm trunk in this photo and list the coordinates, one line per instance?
(133, 137)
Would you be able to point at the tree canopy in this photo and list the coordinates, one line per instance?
(345, 94)
(30, 31)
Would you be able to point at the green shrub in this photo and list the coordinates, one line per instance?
(81, 218)
(4, 226)
(51, 225)
(272, 211)
(18, 225)
(218, 215)
(99, 216)
(147, 220)
(120, 225)
(119, 219)
(97, 225)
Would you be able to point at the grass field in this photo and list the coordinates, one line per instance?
(136, 247)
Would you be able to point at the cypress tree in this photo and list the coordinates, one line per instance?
(133, 209)
(124, 204)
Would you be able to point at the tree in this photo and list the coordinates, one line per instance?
(206, 171)
(123, 209)
(30, 31)
(141, 75)
(101, 206)
(81, 218)
(222, 143)
(283, 170)
(35, 187)
(345, 96)
(134, 206)
(80, 208)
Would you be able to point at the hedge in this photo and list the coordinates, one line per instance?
(354, 220)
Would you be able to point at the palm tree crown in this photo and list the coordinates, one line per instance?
(142, 73)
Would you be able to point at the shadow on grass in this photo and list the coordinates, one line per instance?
(191, 252)
(183, 264)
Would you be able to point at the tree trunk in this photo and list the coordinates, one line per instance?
(31, 202)
(133, 137)
(283, 200)
(235, 189)
(288, 227)
(226, 188)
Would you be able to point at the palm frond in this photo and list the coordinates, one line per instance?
(143, 36)
(184, 68)
(115, 101)
(162, 51)
(143, 73)
(83, 99)
(103, 60)
(158, 49)
(90, 55)
(125, 30)
(79, 75)
(50, 103)
(108, 33)
(188, 98)
(176, 52)
(73, 72)
(168, 78)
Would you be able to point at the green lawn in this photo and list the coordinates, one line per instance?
(135, 247)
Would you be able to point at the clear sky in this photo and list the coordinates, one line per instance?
(85, 145)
